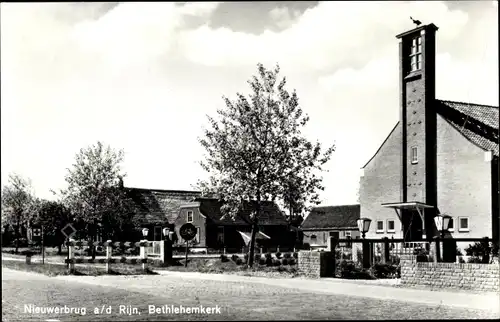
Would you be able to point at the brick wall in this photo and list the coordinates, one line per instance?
(381, 183)
(479, 277)
(316, 264)
(464, 182)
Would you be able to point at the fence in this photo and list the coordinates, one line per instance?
(109, 245)
(180, 250)
(154, 249)
(367, 253)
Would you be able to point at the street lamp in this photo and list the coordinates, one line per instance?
(442, 222)
(364, 225)
(145, 232)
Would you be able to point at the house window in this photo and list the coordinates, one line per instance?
(189, 216)
(197, 237)
(451, 225)
(414, 155)
(347, 234)
(416, 54)
(391, 226)
(380, 226)
(463, 224)
(313, 239)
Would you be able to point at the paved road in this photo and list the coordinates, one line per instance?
(237, 297)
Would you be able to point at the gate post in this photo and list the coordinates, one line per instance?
(331, 244)
(109, 252)
(385, 251)
(144, 255)
(367, 254)
(71, 255)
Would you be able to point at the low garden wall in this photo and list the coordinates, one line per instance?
(316, 264)
(480, 277)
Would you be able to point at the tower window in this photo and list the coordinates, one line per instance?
(416, 54)
(414, 155)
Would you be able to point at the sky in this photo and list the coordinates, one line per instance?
(143, 77)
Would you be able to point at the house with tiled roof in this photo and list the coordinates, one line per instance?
(440, 158)
(217, 231)
(156, 209)
(330, 221)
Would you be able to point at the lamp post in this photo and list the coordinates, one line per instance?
(442, 222)
(145, 232)
(166, 249)
(364, 225)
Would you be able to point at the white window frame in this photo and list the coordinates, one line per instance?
(460, 229)
(416, 54)
(454, 224)
(189, 212)
(391, 230)
(314, 238)
(379, 230)
(414, 156)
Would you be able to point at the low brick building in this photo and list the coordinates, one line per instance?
(330, 221)
(217, 231)
(440, 158)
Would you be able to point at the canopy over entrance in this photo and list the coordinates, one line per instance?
(410, 205)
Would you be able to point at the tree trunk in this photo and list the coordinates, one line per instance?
(254, 233)
(252, 243)
(17, 235)
(59, 249)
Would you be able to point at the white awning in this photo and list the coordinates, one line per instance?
(247, 237)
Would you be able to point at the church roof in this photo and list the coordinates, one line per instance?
(476, 122)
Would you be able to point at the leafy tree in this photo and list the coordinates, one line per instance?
(256, 151)
(94, 194)
(53, 216)
(18, 204)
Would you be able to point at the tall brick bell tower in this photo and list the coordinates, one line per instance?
(417, 78)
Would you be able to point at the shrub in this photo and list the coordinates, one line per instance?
(461, 260)
(269, 255)
(257, 257)
(291, 261)
(245, 258)
(287, 255)
(284, 261)
(239, 261)
(262, 261)
(380, 270)
(296, 255)
(269, 261)
(306, 246)
(278, 255)
(234, 257)
(224, 258)
(458, 252)
(474, 259)
(276, 262)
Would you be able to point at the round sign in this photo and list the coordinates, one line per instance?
(187, 231)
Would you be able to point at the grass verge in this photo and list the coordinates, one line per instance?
(83, 270)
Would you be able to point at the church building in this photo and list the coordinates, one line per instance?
(440, 158)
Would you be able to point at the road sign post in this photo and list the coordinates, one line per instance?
(68, 231)
(43, 248)
(187, 232)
